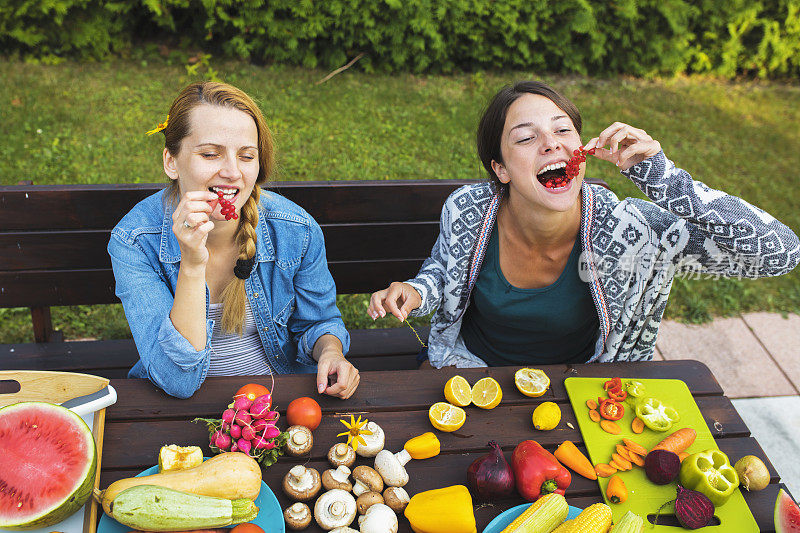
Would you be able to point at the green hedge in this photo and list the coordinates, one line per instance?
(639, 37)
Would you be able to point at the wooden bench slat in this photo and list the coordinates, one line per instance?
(78, 206)
(370, 349)
(68, 250)
(42, 288)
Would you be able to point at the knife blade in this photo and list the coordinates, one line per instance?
(89, 403)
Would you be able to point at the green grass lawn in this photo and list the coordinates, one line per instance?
(85, 123)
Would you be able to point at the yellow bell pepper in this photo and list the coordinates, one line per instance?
(447, 510)
(424, 446)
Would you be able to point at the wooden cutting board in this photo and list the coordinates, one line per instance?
(645, 497)
(58, 387)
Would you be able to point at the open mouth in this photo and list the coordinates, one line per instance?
(228, 193)
(554, 176)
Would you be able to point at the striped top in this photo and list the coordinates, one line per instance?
(232, 355)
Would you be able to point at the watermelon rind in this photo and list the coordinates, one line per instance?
(74, 501)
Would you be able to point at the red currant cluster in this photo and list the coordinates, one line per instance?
(573, 167)
(228, 209)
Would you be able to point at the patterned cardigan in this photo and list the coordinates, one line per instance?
(632, 250)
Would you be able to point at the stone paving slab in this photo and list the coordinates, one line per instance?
(775, 424)
(740, 363)
(781, 337)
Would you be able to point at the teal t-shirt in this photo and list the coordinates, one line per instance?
(506, 325)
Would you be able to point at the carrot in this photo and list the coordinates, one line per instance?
(617, 465)
(624, 463)
(623, 451)
(594, 415)
(604, 470)
(677, 441)
(571, 456)
(636, 459)
(637, 425)
(635, 447)
(616, 492)
(610, 427)
(591, 404)
(682, 456)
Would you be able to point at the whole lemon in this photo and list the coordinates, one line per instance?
(546, 416)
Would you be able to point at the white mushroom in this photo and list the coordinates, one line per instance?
(337, 479)
(374, 442)
(391, 468)
(301, 483)
(379, 519)
(335, 508)
(367, 500)
(297, 516)
(341, 454)
(396, 498)
(343, 530)
(299, 442)
(366, 479)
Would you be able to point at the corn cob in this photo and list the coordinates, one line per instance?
(542, 516)
(594, 519)
(630, 523)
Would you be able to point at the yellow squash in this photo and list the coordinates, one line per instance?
(447, 510)
(230, 475)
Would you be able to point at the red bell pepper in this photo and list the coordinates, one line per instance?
(611, 409)
(537, 471)
(618, 395)
(613, 384)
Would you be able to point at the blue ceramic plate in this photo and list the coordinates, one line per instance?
(502, 520)
(270, 516)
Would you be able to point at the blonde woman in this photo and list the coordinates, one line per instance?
(216, 275)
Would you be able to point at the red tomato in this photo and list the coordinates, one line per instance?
(304, 412)
(247, 528)
(251, 391)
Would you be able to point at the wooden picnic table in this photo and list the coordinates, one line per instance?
(144, 419)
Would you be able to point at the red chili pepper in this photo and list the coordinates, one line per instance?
(618, 395)
(611, 409)
(537, 472)
(613, 384)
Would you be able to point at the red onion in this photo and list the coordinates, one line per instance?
(693, 509)
(490, 476)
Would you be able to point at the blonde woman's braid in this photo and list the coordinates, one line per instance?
(234, 297)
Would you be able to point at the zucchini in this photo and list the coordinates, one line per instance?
(154, 508)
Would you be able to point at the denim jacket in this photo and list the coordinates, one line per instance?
(291, 292)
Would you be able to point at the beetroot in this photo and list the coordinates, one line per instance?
(693, 509)
(662, 466)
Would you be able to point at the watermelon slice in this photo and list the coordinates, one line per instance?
(787, 514)
(47, 464)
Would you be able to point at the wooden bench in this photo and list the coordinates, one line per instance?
(53, 253)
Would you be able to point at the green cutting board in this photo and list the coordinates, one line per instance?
(645, 497)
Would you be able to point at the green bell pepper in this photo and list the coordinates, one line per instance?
(635, 388)
(711, 473)
(655, 414)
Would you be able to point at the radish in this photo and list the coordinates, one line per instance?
(272, 415)
(261, 405)
(259, 425)
(248, 433)
(260, 442)
(236, 432)
(244, 446)
(228, 415)
(234, 447)
(243, 418)
(271, 432)
(242, 403)
(222, 440)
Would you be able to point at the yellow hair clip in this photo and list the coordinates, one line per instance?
(160, 127)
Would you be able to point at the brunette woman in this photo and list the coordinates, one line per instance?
(537, 267)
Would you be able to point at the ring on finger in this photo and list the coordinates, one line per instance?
(187, 225)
